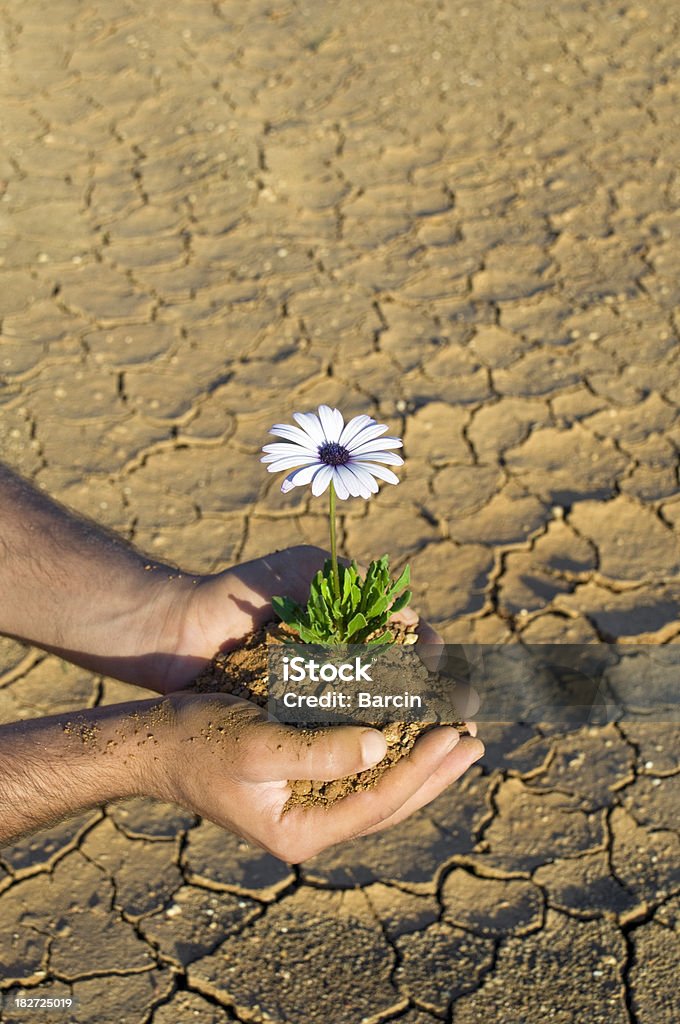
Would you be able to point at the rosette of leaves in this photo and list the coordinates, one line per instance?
(357, 615)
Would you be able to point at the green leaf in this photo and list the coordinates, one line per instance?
(326, 592)
(288, 611)
(315, 616)
(402, 582)
(319, 613)
(378, 607)
(370, 593)
(349, 577)
(361, 610)
(401, 602)
(356, 623)
(309, 636)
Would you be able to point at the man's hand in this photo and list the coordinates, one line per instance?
(229, 764)
(211, 613)
(217, 756)
(75, 589)
(71, 587)
(217, 612)
(86, 595)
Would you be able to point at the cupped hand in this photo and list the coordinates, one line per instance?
(217, 612)
(232, 766)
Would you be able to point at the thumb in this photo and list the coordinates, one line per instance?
(273, 752)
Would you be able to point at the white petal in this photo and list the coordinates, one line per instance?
(290, 463)
(293, 434)
(350, 481)
(388, 457)
(377, 445)
(295, 460)
(331, 421)
(283, 448)
(367, 433)
(380, 471)
(309, 422)
(366, 481)
(321, 480)
(353, 427)
(299, 478)
(340, 485)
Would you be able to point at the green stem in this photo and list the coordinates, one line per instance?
(334, 555)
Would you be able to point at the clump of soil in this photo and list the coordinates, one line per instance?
(244, 672)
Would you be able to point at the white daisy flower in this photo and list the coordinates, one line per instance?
(324, 449)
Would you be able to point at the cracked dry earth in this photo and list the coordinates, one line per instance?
(462, 219)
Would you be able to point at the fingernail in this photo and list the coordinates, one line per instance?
(476, 748)
(453, 741)
(373, 747)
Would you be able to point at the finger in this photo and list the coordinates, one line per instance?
(431, 650)
(289, 571)
(465, 700)
(430, 646)
(270, 752)
(455, 764)
(311, 829)
(295, 569)
(407, 616)
(428, 635)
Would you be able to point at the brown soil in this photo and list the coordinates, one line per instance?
(244, 672)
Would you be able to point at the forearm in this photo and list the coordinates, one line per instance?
(73, 588)
(51, 768)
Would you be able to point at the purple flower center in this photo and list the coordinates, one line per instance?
(333, 454)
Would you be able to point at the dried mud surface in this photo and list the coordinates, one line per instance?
(462, 218)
